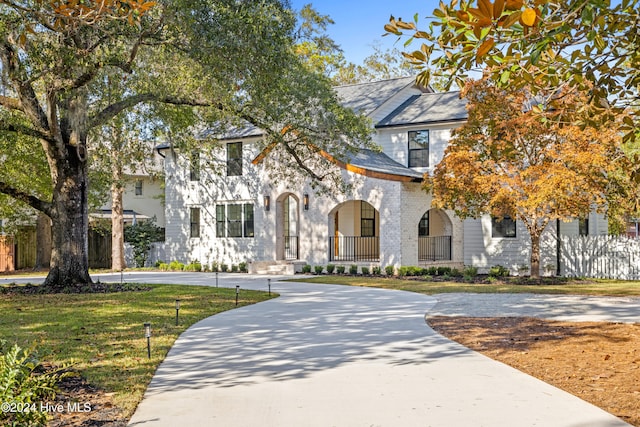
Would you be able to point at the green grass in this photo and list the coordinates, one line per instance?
(571, 287)
(101, 336)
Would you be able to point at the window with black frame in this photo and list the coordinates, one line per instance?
(234, 159)
(503, 227)
(194, 221)
(418, 148)
(248, 220)
(367, 220)
(221, 221)
(423, 225)
(234, 220)
(583, 226)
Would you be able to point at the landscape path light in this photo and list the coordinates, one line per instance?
(177, 310)
(147, 334)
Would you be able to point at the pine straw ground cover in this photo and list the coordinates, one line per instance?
(596, 361)
(100, 336)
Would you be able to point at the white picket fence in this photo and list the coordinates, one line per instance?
(605, 257)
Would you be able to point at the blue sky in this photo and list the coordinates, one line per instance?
(359, 24)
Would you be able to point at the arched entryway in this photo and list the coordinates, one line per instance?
(434, 236)
(355, 232)
(288, 227)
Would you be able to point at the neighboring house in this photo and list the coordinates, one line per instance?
(236, 214)
(142, 200)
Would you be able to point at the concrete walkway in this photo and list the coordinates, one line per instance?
(344, 356)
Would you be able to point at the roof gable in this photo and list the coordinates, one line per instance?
(428, 108)
(365, 98)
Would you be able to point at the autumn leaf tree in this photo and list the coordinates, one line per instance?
(507, 162)
(221, 58)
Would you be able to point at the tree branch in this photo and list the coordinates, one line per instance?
(33, 201)
(26, 94)
(114, 109)
(26, 130)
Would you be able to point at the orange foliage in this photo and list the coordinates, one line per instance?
(91, 11)
(534, 165)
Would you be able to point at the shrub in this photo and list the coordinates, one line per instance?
(163, 266)
(318, 269)
(224, 267)
(353, 269)
(340, 269)
(444, 271)
(377, 270)
(234, 268)
(214, 266)
(456, 273)
(330, 268)
(432, 271)
(141, 235)
(158, 263)
(176, 266)
(243, 267)
(403, 271)
(390, 270)
(23, 388)
(365, 271)
(470, 271)
(498, 271)
(306, 269)
(193, 266)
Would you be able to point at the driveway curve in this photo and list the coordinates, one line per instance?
(323, 355)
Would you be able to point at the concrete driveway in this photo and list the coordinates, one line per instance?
(341, 356)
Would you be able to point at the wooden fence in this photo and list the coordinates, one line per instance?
(7, 253)
(606, 257)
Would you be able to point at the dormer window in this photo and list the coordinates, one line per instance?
(418, 148)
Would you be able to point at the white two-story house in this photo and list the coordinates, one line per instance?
(222, 208)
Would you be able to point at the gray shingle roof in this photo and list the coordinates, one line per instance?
(366, 97)
(428, 108)
(232, 132)
(380, 162)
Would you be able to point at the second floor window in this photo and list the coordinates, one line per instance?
(234, 159)
(418, 148)
(139, 187)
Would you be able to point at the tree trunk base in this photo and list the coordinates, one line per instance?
(56, 281)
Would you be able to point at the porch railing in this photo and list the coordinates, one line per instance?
(354, 248)
(291, 246)
(434, 248)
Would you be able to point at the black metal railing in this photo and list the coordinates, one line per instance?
(354, 248)
(434, 248)
(291, 246)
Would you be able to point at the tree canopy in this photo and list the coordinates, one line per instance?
(508, 162)
(218, 60)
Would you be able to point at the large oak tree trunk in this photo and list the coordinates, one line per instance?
(69, 217)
